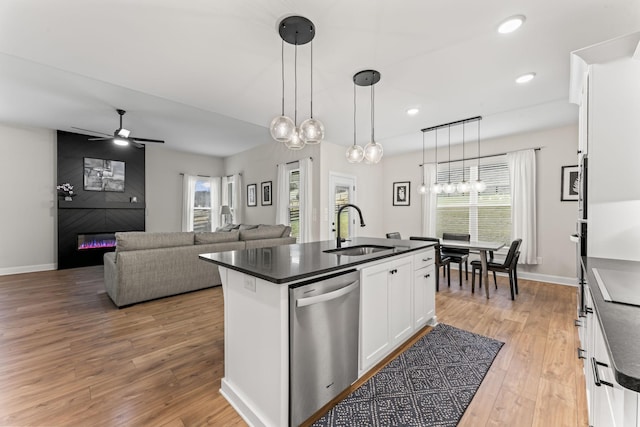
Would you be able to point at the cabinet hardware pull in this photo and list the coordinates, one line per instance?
(596, 375)
(394, 271)
(428, 259)
(580, 353)
(577, 322)
(588, 310)
(427, 276)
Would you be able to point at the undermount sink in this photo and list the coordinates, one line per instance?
(359, 250)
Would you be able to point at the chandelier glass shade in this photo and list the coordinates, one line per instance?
(373, 151)
(296, 30)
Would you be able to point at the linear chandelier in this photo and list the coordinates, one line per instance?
(463, 186)
(296, 30)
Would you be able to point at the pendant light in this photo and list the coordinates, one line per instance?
(355, 153)
(449, 188)
(463, 186)
(296, 30)
(479, 185)
(372, 151)
(422, 189)
(436, 188)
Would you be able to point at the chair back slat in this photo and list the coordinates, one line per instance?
(513, 249)
(460, 237)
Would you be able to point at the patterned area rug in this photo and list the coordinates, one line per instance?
(430, 384)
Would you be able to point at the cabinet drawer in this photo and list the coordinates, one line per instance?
(424, 259)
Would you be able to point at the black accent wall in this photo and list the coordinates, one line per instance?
(96, 211)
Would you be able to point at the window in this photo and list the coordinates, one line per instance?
(485, 216)
(201, 203)
(293, 175)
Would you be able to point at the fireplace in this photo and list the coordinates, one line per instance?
(90, 241)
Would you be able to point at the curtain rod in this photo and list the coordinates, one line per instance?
(296, 161)
(202, 176)
(481, 157)
(457, 122)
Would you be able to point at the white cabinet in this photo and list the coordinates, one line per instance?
(609, 404)
(396, 299)
(424, 289)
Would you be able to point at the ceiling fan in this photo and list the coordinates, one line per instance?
(121, 136)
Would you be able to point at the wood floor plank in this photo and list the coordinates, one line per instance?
(69, 357)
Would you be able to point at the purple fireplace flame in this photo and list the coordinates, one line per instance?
(96, 241)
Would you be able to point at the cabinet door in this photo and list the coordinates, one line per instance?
(374, 314)
(400, 303)
(424, 303)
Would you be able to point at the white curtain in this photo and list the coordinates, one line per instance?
(306, 199)
(238, 204)
(215, 202)
(188, 195)
(522, 174)
(282, 195)
(429, 201)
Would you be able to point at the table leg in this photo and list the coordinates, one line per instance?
(485, 271)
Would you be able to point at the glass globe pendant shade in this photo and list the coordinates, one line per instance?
(463, 187)
(312, 131)
(436, 188)
(449, 188)
(282, 128)
(373, 152)
(295, 143)
(479, 186)
(423, 189)
(355, 154)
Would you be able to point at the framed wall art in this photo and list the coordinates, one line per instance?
(570, 183)
(103, 175)
(265, 190)
(402, 193)
(251, 195)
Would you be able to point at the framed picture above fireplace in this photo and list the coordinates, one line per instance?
(103, 175)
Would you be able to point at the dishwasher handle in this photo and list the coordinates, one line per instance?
(303, 302)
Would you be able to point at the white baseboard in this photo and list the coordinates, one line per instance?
(27, 269)
(547, 278)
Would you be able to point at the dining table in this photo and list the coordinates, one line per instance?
(482, 247)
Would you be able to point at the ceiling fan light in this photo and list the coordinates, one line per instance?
(295, 143)
(282, 128)
(373, 152)
(355, 154)
(123, 133)
(120, 141)
(312, 131)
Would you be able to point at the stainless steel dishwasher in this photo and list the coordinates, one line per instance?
(323, 342)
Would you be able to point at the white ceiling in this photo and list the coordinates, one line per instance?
(205, 76)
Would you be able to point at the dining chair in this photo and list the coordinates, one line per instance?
(458, 255)
(509, 265)
(444, 262)
(394, 235)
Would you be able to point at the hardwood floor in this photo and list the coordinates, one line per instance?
(69, 357)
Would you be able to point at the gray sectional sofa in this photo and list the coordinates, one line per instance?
(150, 265)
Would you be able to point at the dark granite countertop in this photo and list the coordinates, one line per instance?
(289, 263)
(620, 323)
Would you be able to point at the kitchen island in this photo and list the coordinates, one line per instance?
(396, 287)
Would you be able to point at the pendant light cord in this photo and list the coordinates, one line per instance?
(282, 64)
(372, 108)
(478, 150)
(463, 151)
(311, 79)
(295, 79)
(449, 164)
(354, 113)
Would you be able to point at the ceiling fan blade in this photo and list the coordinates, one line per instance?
(147, 140)
(88, 130)
(102, 138)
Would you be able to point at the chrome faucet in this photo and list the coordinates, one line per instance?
(339, 240)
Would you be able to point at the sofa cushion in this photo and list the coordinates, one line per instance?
(246, 227)
(137, 240)
(263, 232)
(217, 237)
(228, 227)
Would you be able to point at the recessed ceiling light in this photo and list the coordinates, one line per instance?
(511, 24)
(525, 78)
(412, 111)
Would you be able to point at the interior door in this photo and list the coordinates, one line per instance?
(341, 191)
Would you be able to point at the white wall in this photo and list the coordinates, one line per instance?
(258, 165)
(164, 183)
(28, 209)
(556, 219)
